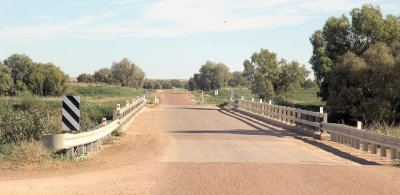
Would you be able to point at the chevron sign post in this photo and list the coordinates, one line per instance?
(70, 113)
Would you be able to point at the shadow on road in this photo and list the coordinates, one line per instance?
(281, 133)
(236, 131)
(186, 108)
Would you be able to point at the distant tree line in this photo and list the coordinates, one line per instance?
(124, 73)
(357, 65)
(265, 76)
(19, 73)
(164, 84)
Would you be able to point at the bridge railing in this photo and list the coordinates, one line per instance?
(355, 137)
(305, 121)
(316, 125)
(84, 142)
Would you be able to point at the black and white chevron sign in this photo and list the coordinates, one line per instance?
(70, 113)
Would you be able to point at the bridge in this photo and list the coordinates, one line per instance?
(181, 147)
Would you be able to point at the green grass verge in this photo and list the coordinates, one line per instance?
(305, 99)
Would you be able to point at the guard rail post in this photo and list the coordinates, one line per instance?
(324, 134)
(383, 151)
(373, 149)
(393, 153)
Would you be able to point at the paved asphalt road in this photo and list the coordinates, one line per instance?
(181, 147)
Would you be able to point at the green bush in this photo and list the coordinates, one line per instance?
(30, 101)
(118, 133)
(26, 125)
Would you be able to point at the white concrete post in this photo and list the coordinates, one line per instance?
(104, 121)
(202, 96)
(270, 102)
(127, 103)
(252, 99)
(260, 100)
(321, 109)
(359, 125)
(242, 98)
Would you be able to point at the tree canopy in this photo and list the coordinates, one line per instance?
(124, 73)
(356, 64)
(85, 78)
(211, 76)
(340, 35)
(19, 73)
(271, 78)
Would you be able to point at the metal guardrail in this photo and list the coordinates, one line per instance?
(84, 142)
(369, 141)
(308, 121)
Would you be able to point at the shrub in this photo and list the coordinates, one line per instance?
(30, 101)
(118, 133)
(26, 125)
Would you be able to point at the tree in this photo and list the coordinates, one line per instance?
(6, 81)
(212, 76)
(309, 84)
(192, 84)
(340, 35)
(55, 82)
(85, 78)
(366, 87)
(137, 77)
(127, 73)
(35, 79)
(148, 84)
(122, 71)
(291, 77)
(38, 78)
(238, 79)
(104, 75)
(248, 70)
(20, 66)
(273, 78)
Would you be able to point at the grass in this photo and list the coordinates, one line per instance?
(97, 101)
(223, 95)
(305, 99)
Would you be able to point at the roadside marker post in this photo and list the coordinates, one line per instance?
(104, 122)
(71, 113)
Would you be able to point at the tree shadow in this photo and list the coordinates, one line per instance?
(285, 132)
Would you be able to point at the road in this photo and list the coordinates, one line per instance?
(181, 147)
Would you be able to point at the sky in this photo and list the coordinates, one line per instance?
(168, 39)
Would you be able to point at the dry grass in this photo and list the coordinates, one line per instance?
(385, 128)
(30, 152)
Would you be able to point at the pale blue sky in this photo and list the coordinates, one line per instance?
(167, 39)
